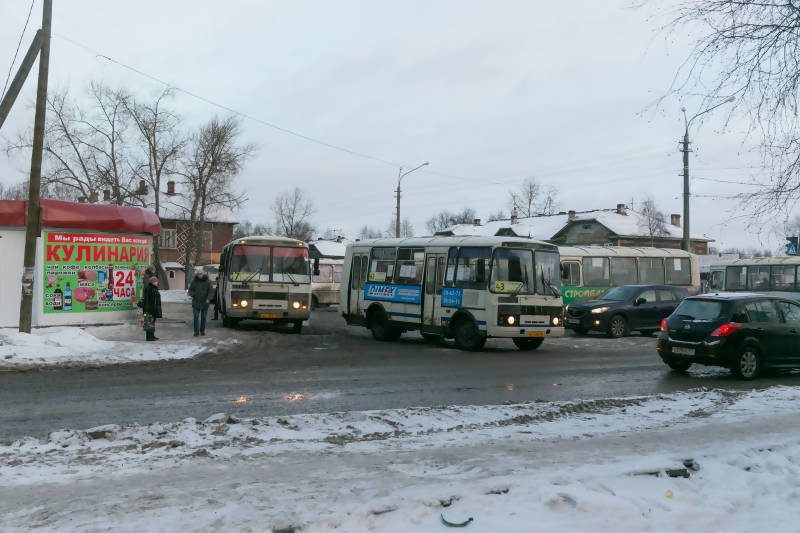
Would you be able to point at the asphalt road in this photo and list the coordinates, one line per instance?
(332, 367)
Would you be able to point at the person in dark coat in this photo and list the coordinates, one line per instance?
(201, 292)
(151, 306)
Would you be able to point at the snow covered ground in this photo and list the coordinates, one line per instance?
(175, 296)
(564, 466)
(75, 346)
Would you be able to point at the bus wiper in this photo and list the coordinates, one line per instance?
(292, 278)
(547, 284)
(259, 272)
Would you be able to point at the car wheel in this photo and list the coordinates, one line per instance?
(382, 330)
(528, 344)
(678, 365)
(467, 335)
(297, 326)
(617, 327)
(748, 362)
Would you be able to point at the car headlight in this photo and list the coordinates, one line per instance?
(244, 303)
(598, 310)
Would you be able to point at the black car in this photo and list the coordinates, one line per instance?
(624, 309)
(741, 331)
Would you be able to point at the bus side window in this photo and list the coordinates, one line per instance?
(452, 258)
(570, 273)
(363, 274)
(439, 275)
(355, 270)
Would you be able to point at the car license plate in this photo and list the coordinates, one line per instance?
(270, 315)
(573, 321)
(682, 351)
(535, 334)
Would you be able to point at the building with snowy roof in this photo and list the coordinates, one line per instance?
(599, 227)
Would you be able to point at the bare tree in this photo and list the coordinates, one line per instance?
(367, 232)
(653, 220)
(499, 215)
(750, 50)
(292, 211)
(445, 219)
(17, 191)
(160, 142)
(213, 158)
(533, 198)
(247, 228)
(406, 229)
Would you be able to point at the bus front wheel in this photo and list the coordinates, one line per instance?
(381, 329)
(229, 322)
(528, 344)
(467, 335)
(297, 326)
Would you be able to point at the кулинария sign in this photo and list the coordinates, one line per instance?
(88, 272)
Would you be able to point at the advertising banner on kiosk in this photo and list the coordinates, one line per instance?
(92, 272)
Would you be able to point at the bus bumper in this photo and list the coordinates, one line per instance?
(277, 315)
(508, 332)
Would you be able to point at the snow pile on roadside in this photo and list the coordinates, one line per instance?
(72, 345)
(563, 466)
(175, 296)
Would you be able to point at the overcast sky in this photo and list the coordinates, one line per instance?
(488, 92)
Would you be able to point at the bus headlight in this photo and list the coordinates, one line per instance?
(511, 320)
(556, 321)
(244, 303)
(296, 304)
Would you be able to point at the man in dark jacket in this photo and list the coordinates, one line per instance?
(201, 292)
(151, 307)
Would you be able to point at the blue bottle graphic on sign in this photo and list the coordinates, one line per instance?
(67, 298)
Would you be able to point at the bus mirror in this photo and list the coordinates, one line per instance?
(480, 271)
(316, 266)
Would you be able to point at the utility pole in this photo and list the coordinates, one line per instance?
(400, 176)
(686, 244)
(20, 77)
(34, 212)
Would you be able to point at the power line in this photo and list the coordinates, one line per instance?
(11, 66)
(728, 181)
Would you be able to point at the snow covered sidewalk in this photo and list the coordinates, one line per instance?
(563, 466)
(74, 346)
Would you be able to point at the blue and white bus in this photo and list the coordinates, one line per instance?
(467, 288)
(772, 275)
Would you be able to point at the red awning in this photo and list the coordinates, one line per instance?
(98, 217)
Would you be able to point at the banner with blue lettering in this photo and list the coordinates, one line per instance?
(451, 296)
(393, 293)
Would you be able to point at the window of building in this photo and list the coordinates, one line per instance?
(168, 239)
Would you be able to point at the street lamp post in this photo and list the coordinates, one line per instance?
(400, 176)
(687, 243)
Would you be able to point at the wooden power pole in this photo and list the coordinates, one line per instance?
(34, 212)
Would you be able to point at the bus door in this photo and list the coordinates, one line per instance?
(434, 278)
(358, 270)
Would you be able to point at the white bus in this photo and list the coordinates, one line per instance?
(773, 275)
(469, 288)
(587, 272)
(265, 278)
(326, 284)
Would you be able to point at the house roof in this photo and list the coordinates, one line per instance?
(329, 248)
(547, 227)
(99, 217)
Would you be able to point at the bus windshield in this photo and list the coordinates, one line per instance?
(290, 265)
(250, 263)
(512, 271)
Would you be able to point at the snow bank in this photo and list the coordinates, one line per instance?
(72, 346)
(175, 296)
(566, 466)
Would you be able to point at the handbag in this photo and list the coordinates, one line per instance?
(148, 324)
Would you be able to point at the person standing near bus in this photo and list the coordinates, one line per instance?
(201, 292)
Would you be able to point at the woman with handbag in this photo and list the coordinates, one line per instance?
(151, 308)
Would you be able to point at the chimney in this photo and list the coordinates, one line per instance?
(94, 197)
(106, 195)
(571, 215)
(513, 218)
(171, 188)
(675, 220)
(477, 222)
(621, 209)
(142, 187)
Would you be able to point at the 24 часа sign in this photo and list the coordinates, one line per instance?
(89, 272)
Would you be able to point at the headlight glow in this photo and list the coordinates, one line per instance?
(244, 303)
(296, 304)
(555, 320)
(598, 310)
(511, 320)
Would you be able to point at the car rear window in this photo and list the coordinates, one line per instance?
(700, 309)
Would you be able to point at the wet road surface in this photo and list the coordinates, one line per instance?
(332, 367)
